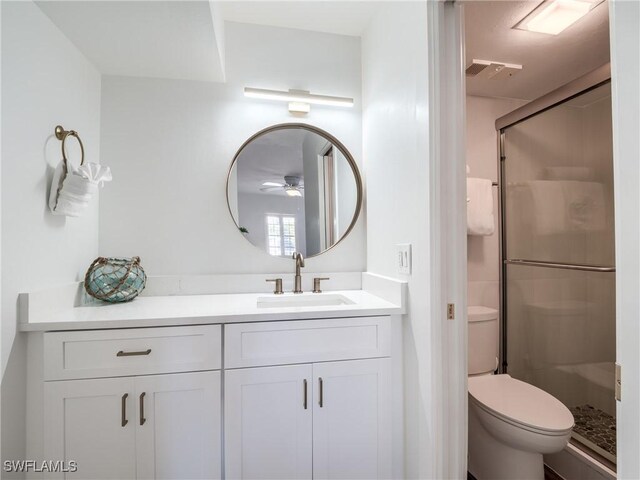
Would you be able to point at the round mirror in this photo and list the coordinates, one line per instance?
(294, 188)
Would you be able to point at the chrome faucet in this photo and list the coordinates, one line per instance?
(297, 285)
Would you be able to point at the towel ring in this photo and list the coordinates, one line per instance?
(62, 134)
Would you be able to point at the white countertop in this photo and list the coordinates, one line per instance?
(154, 311)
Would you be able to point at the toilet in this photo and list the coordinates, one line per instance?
(511, 423)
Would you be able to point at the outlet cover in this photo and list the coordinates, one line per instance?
(404, 258)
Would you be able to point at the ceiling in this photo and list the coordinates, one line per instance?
(161, 39)
(548, 61)
(184, 39)
(269, 158)
(338, 17)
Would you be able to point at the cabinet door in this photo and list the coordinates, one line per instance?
(352, 419)
(268, 423)
(92, 423)
(178, 426)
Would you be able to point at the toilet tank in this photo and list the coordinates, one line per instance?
(484, 336)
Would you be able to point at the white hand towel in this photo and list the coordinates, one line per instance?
(95, 173)
(56, 185)
(70, 194)
(480, 219)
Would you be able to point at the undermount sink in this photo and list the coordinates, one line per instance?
(311, 300)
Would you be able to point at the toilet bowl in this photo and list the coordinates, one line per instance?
(511, 423)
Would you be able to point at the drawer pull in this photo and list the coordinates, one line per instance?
(124, 409)
(122, 353)
(321, 385)
(142, 419)
(305, 393)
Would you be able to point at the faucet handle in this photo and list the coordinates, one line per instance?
(278, 290)
(316, 284)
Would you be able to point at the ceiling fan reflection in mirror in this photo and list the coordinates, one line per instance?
(291, 186)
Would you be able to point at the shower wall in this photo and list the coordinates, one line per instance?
(560, 324)
(483, 262)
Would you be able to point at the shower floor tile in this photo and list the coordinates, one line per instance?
(597, 428)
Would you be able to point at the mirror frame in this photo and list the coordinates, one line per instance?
(328, 137)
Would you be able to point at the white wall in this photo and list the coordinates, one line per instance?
(483, 262)
(45, 82)
(170, 144)
(396, 149)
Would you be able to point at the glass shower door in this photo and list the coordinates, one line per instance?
(559, 276)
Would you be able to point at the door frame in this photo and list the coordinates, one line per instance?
(624, 17)
(447, 98)
(448, 237)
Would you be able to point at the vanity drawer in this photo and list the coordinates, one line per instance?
(137, 351)
(304, 341)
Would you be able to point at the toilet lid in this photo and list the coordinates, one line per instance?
(520, 402)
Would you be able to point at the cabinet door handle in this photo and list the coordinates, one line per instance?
(321, 399)
(124, 409)
(133, 354)
(142, 419)
(304, 402)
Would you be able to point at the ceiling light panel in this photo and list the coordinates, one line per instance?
(553, 16)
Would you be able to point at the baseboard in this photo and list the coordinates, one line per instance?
(551, 474)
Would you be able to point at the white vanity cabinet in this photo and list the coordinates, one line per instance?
(323, 419)
(160, 426)
(352, 425)
(179, 435)
(298, 399)
(84, 424)
(141, 426)
(268, 423)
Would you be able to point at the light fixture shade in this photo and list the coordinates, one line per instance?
(553, 16)
(299, 96)
(293, 192)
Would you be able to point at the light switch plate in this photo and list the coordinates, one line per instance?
(403, 258)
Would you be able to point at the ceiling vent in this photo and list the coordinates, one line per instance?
(492, 69)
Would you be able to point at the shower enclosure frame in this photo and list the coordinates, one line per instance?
(575, 88)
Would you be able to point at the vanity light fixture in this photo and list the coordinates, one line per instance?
(299, 100)
(553, 16)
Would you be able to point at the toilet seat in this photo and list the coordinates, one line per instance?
(478, 313)
(520, 404)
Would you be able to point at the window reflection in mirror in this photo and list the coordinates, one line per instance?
(294, 188)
